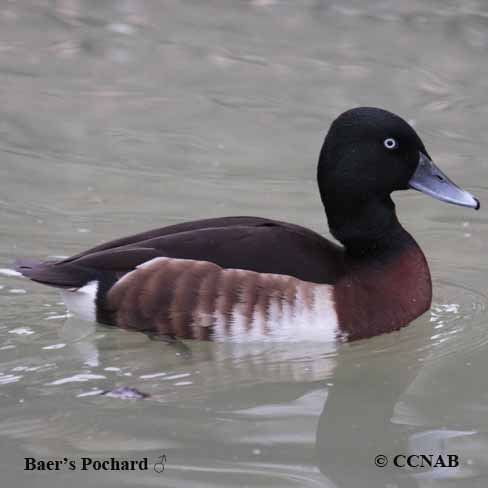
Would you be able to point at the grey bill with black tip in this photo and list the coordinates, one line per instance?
(429, 179)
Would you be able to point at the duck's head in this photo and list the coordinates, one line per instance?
(369, 153)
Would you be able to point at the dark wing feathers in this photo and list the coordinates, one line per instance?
(175, 229)
(120, 259)
(250, 243)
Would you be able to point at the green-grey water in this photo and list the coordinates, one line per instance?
(121, 116)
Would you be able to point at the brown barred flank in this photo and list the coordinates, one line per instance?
(188, 298)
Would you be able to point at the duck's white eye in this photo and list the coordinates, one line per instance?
(390, 143)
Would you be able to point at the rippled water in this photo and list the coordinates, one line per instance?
(119, 116)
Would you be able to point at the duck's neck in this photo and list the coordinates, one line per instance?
(367, 228)
(387, 281)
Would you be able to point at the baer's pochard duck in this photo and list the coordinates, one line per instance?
(252, 278)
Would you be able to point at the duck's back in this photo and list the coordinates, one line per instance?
(248, 243)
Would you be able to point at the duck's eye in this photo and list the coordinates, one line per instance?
(390, 143)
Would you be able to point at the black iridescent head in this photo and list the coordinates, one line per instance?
(367, 154)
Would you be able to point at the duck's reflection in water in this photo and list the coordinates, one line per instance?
(356, 423)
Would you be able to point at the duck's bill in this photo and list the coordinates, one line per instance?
(429, 179)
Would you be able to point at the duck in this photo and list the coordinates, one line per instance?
(257, 279)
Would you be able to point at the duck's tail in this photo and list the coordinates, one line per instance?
(55, 273)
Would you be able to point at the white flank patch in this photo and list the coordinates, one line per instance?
(81, 301)
(294, 322)
(316, 322)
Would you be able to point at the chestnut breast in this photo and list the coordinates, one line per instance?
(378, 296)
